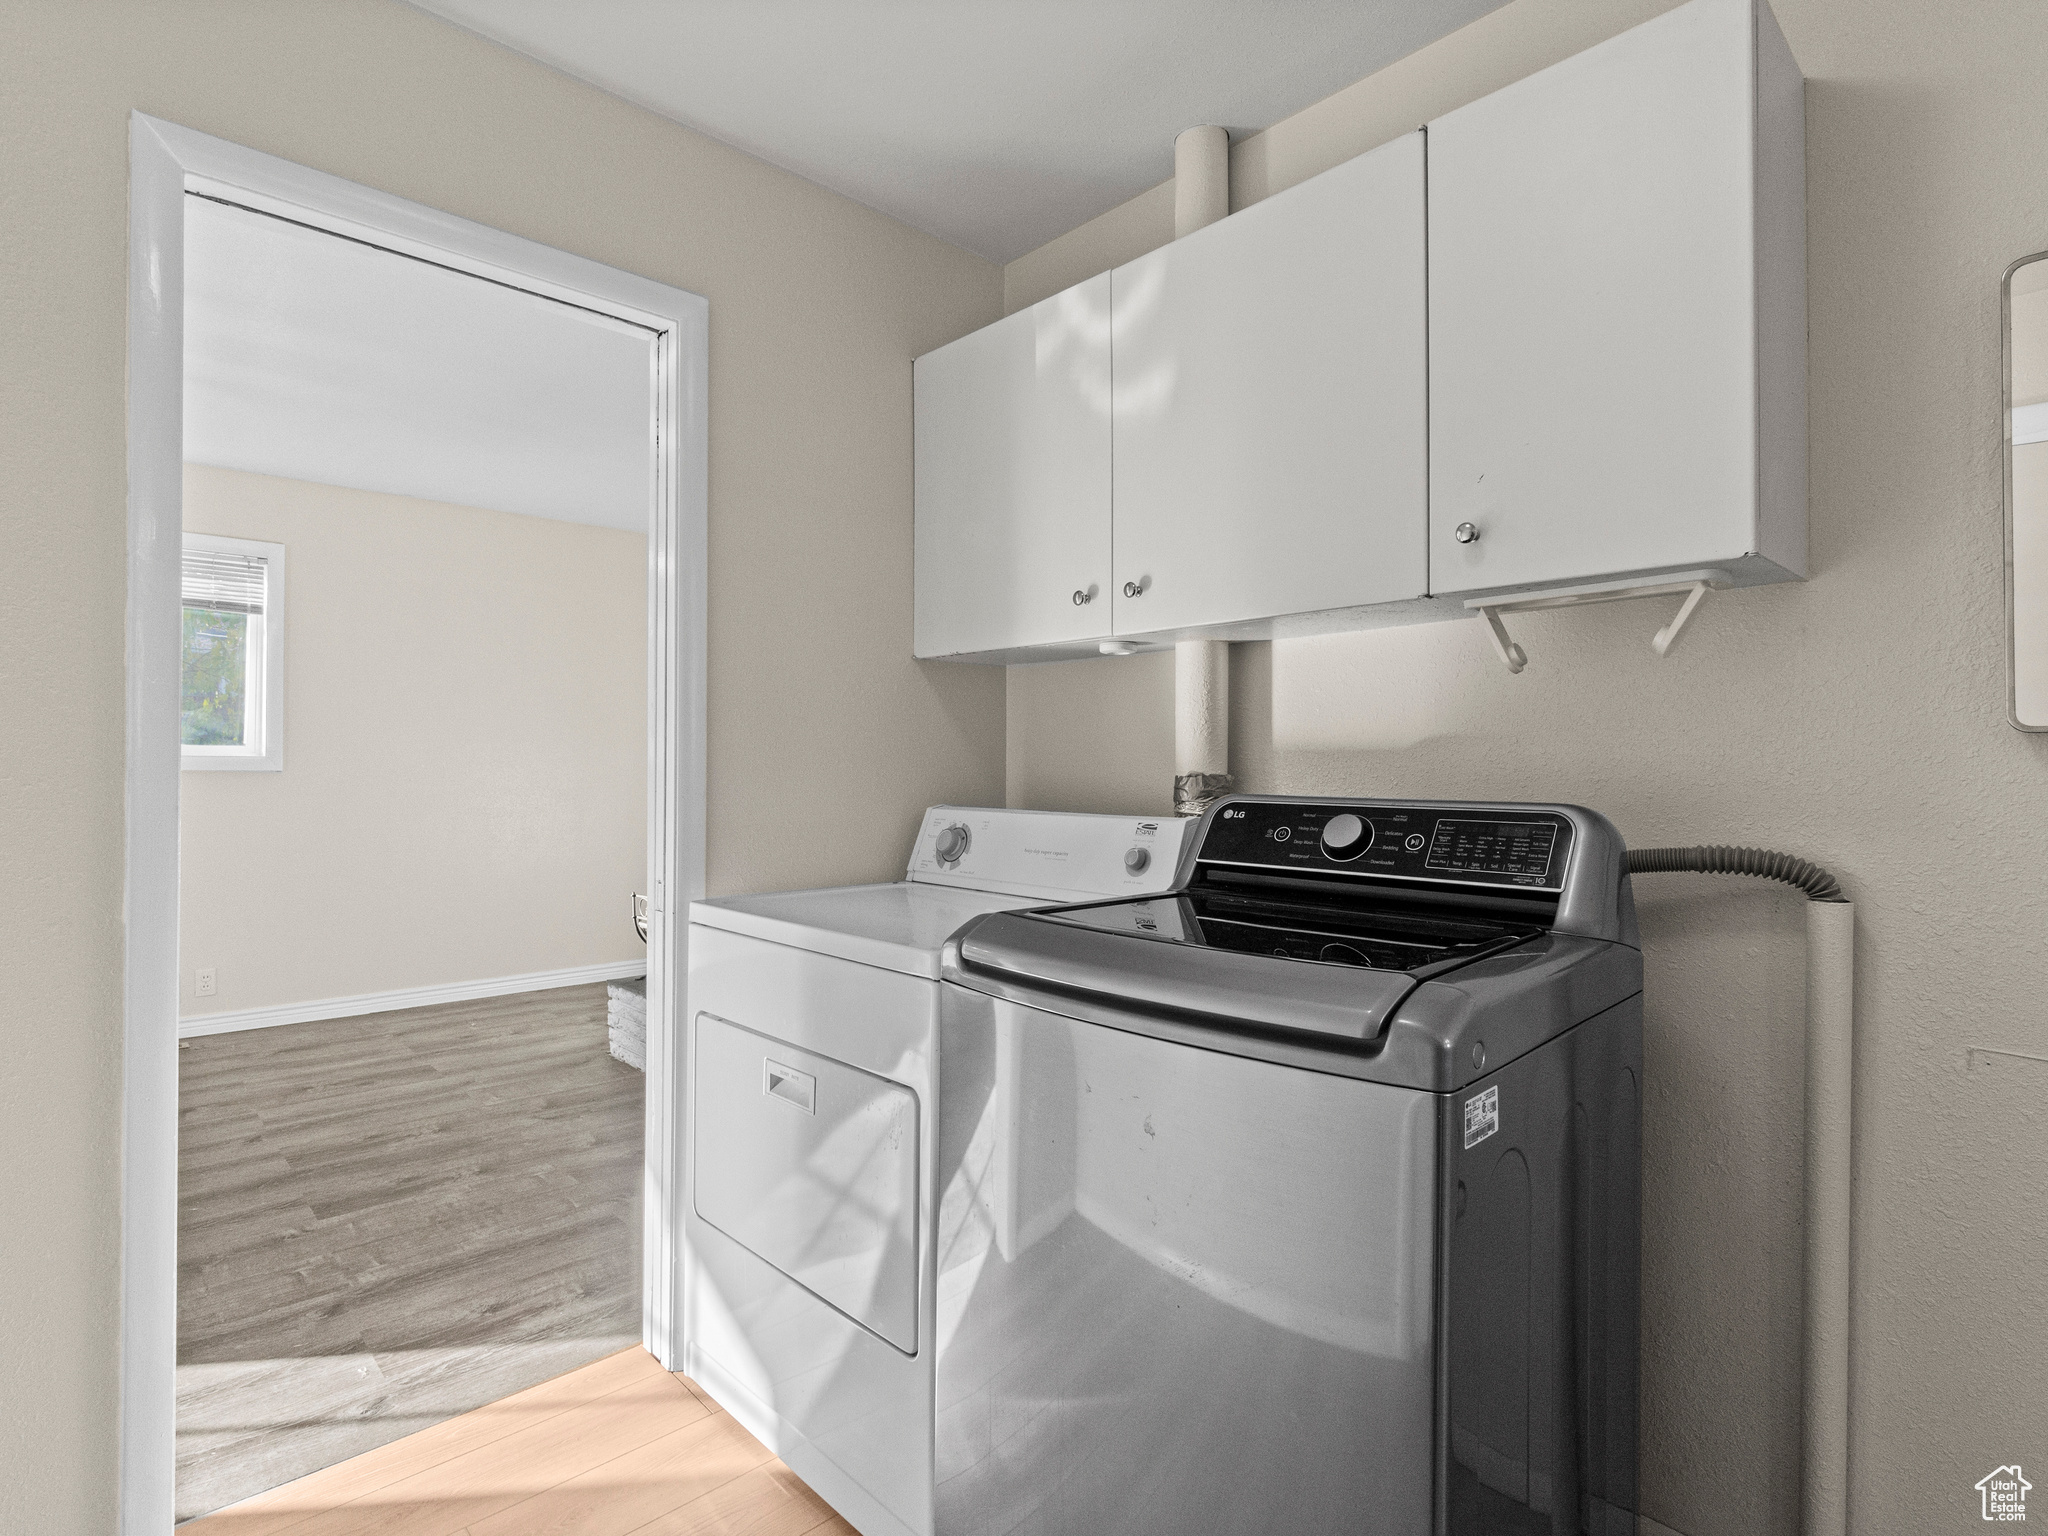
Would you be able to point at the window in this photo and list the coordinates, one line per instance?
(231, 698)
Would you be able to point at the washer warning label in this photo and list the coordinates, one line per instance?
(1482, 1116)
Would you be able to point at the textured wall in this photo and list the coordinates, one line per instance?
(825, 737)
(1857, 719)
(464, 792)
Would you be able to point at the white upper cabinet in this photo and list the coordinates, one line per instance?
(1012, 481)
(1576, 359)
(1270, 406)
(1617, 313)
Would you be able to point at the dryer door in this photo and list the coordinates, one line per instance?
(811, 1165)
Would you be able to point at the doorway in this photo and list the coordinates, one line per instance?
(174, 170)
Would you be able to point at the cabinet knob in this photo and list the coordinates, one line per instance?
(1081, 597)
(1466, 533)
(1132, 589)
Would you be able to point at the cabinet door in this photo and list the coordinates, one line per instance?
(1012, 488)
(1592, 312)
(1271, 393)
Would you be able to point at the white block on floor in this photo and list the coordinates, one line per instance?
(625, 1007)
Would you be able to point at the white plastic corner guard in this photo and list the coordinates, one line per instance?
(1694, 584)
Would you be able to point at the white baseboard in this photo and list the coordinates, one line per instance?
(409, 997)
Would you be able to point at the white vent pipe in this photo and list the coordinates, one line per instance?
(1201, 668)
(1830, 1053)
(1201, 178)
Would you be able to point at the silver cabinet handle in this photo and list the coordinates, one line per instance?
(1081, 597)
(1466, 533)
(1132, 589)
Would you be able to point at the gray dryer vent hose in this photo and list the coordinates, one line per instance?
(1830, 1045)
(1713, 859)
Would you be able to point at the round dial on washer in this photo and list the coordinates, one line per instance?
(952, 844)
(1346, 836)
(1137, 861)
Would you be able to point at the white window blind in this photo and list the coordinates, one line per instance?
(225, 582)
(231, 684)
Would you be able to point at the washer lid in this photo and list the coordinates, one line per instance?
(899, 927)
(1321, 927)
(1340, 1005)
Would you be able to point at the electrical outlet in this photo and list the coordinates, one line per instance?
(205, 986)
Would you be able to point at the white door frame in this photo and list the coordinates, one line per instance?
(165, 162)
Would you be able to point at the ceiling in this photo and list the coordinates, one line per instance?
(993, 124)
(320, 358)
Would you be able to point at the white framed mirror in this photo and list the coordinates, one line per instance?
(2026, 489)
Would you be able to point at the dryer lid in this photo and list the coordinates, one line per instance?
(899, 927)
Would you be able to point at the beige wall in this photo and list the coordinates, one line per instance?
(825, 738)
(465, 726)
(1857, 719)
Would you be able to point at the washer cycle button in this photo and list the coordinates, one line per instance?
(1414, 843)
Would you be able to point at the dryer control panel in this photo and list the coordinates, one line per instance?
(1059, 855)
(1461, 845)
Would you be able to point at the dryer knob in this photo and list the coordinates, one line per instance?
(1137, 861)
(952, 844)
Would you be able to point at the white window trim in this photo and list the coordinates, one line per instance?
(266, 687)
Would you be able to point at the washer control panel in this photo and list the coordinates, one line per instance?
(1450, 844)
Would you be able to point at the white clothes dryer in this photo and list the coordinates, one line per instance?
(809, 1212)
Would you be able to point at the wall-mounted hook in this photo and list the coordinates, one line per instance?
(1664, 637)
(1511, 653)
(1693, 584)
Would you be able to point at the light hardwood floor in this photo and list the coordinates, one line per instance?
(618, 1448)
(389, 1220)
